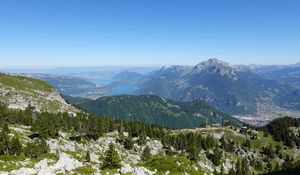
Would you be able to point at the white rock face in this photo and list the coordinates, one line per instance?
(155, 146)
(41, 100)
(142, 171)
(24, 171)
(126, 169)
(42, 164)
(67, 163)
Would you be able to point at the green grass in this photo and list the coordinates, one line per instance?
(24, 83)
(169, 163)
(235, 137)
(76, 155)
(10, 162)
(109, 171)
(264, 141)
(86, 170)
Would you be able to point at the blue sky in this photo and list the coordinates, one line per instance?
(49, 33)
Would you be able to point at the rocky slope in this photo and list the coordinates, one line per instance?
(19, 92)
(69, 157)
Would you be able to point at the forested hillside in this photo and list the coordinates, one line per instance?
(155, 110)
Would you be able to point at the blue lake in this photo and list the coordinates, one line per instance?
(123, 89)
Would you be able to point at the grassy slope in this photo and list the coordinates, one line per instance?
(19, 90)
(24, 83)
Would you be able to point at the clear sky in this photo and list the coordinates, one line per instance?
(37, 33)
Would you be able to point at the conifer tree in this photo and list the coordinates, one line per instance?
(128, 143)
(146, 154)
(88, 156)
(4, 139)
(217, 157)
(112, 159)
(36, 148)
(15, 146)
(193, 153)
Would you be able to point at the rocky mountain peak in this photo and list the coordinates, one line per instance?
(216, 66)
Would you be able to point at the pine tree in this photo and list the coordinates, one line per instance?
(142, 139)
(112, 159)
(88, 156)
(168, 150)
(223, 142)
(36, 148)
(193, 153)
(15, 146)
(4, 139)
(146, 154)
(128, 143)
(216, 158)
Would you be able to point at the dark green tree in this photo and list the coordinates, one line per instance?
(44, 127)
(193, 152)
(128, 143)
(216, 157)
(36, 148)
(146, 154)
(4, 139)
(112, 158)
(15, 146)
(88, 156)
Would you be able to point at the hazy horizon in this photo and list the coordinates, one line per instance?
(112, 67)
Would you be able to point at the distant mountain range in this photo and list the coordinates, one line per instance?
(232, 89)
(154, 110)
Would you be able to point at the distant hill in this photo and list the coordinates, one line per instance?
(19, 92)
(154, 110)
